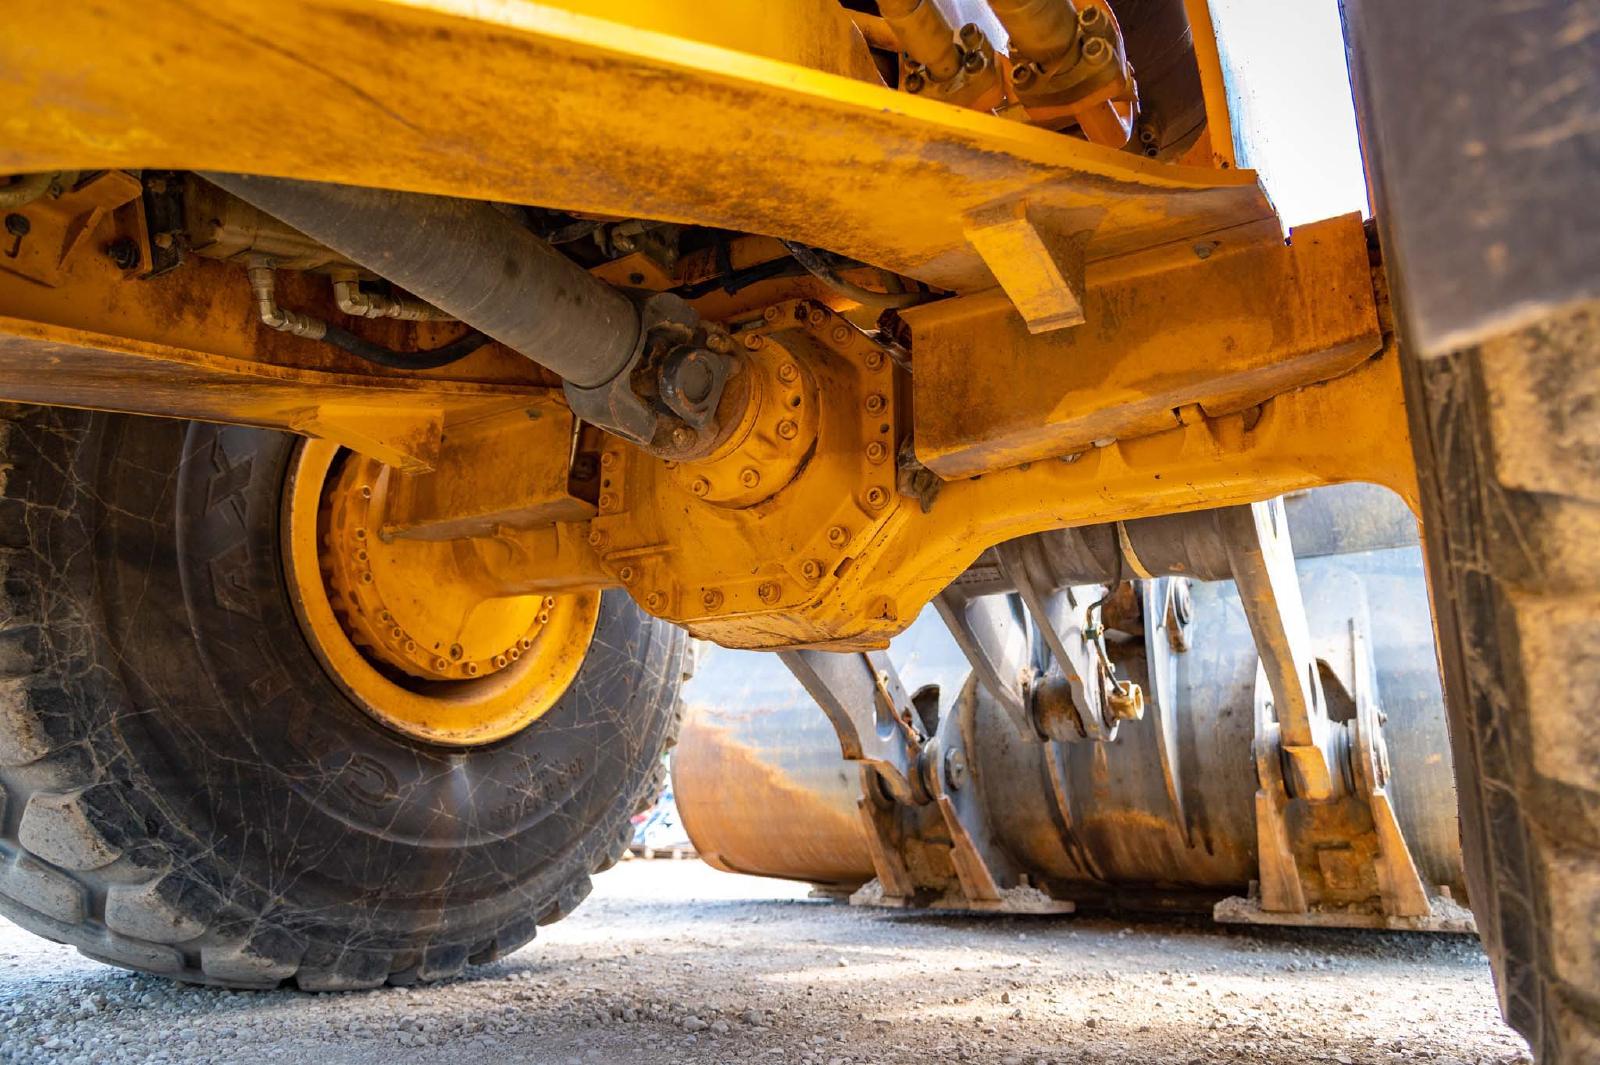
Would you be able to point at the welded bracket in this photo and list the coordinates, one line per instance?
(994, 640)
(1262, 559)
(876, 723)
(1330, 850)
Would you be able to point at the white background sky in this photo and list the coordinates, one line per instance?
(1290, 94)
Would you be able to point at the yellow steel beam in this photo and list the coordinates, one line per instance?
(188, 344)
(1225, 322)
(583, 105)
(1351, 428)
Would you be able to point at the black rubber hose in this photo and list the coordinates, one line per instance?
(432, 359)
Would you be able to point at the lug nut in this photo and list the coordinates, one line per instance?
(754, 341)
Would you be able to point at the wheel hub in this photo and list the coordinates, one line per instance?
(403, 627)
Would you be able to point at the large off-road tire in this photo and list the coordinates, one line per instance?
(1509, 441)
(184, 791)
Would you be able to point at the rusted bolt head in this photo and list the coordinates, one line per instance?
(655, 601)
(711, 599)
(754, 341)
(955, 769)
(626, 574)
(769, 591)
(124, 253)
(749, 477)
(788, 372)
(699, 486)
(876, 403)
(841, 333)
(876, 452)
(838, 535)
(788, 430)
(607, 501)
(682, 436)
(811, 569)
(719, 342)
(877, 498)
(1125, 702)
(874, 360)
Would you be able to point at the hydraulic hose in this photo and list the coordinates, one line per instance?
(923, 33)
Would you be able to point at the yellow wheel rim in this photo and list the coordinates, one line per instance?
(401, 632)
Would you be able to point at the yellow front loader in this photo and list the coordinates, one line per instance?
(395, 385)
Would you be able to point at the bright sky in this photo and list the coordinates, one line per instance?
(1290, 95)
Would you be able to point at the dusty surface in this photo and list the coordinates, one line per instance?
(671, 962)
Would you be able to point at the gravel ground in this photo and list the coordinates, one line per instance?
(670, 962)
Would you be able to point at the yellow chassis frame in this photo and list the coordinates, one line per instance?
(1215, 373)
